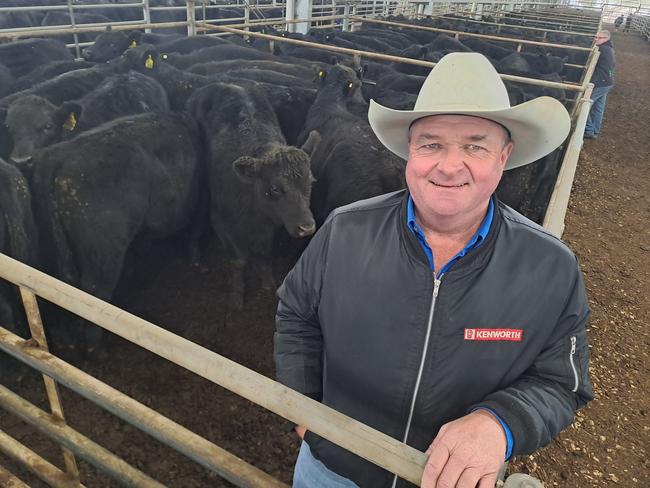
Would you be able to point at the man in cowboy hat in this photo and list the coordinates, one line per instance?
(437, 314)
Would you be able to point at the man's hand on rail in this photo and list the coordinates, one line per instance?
(300, 430)
(466, 453)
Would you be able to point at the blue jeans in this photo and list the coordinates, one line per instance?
(311, 473)
(599, 97)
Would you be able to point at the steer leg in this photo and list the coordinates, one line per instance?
(100, 255)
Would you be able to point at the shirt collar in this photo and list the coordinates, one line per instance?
(476, 239)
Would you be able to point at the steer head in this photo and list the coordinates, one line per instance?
(144, 58)
(281, 181)
(340, 79)
(108, 45)
(33, 123)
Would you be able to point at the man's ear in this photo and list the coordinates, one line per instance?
(506, 152)
(245, 168)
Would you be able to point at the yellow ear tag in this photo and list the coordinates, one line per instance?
(70, 123)
(133, 44)
(149, 62)
(350, 85)
(321, 74)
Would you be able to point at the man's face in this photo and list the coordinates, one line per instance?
(455, 164)
(601, 39)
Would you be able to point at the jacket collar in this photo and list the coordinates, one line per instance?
(472, 260)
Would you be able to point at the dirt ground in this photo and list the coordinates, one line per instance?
(606, 446)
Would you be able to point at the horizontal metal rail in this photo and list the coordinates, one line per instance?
(388, 57)
(360, 439)
(144, 418)
(76, 442)
(559, 18)
(8, 480)
(559, 201)
(46, 8)
(77, 29)
(49, 29)
(590, 27)
(523, 27)
(470, 34)
(35, 464)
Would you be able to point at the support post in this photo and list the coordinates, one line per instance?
(38, 336)
(302, 11)
(191, 18)
(74, 35)
(146, 14)
(346, 19)
(290, 15)
(86, 448)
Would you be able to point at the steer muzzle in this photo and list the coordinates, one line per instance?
(305, 229)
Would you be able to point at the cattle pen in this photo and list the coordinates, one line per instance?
(362, 440)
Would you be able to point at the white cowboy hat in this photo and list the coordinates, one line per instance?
(468, 84)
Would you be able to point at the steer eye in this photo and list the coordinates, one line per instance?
(274, 191)
(48, 127)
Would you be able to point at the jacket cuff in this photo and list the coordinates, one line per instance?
(513, 414)
(509, 439)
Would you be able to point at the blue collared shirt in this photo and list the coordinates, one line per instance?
(476, 240)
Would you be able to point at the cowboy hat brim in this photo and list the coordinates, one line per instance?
(537, 127)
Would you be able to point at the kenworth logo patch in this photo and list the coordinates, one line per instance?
(515, 335)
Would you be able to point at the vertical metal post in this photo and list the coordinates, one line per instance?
(354, 13)
(302, 9)
(72, 22)
(247, 17)
(38, 335)
(290, 14)
(191, 18)
(146, 14)
(346, 19)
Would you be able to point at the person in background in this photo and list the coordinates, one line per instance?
(628, 23)
(437, 314)
(618, 22)
(603, 80)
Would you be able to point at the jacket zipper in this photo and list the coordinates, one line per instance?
(573, 366)
(436, 287)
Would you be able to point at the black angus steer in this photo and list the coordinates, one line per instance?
(33, 122)
(23, 56)
(67, 86)
(137, 176)
(18, 236)
(178, 84)
(258, 184)
(110, 44)
(349, 163)
(18, 239)
(46, 72)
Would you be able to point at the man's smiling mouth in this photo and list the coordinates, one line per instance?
(448, 186)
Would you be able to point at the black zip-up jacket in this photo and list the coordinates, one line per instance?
(604, 70)
(364, 327)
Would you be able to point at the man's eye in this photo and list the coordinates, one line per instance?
(433, 145)
(474, 148)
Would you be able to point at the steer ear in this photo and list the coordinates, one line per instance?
(245, 168)
(311, 143)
